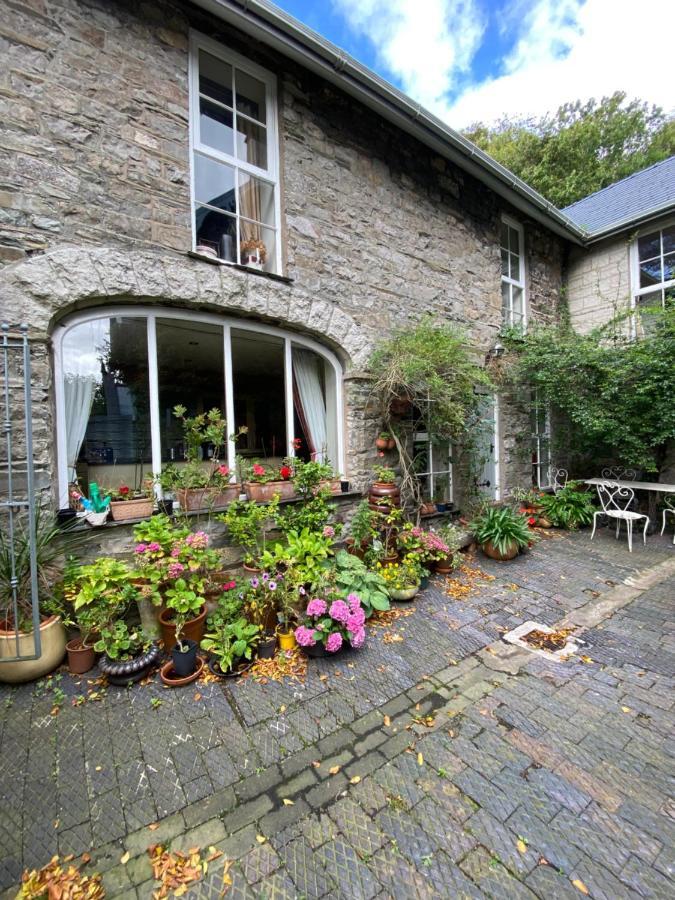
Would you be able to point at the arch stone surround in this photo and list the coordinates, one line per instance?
(42, 289)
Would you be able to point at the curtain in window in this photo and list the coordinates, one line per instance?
(309, 401)
(78, 392)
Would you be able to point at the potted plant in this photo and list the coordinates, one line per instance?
(184, 613)
(362, 530)
(52, 544)
(166, 480)
(501, 532)
(126, 504)
(568, 508)
(331, 624)
(402, 578)
(352, 576)
(260, 603)
(248, 525)
(426, 546)
(80, 650)
(383, 439)
(451, 536)
(384, 488)
(253, 253)
(128, 655)
(285, 587)
(305, 553)
(427, 508)
(387, 525)
(262, 484)
(441, 493)
(231, 646)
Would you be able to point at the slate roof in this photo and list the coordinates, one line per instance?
(627, 200)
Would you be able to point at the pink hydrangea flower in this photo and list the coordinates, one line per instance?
(334, 642)
(175, 569)
(305, 636)
(140, 548)
(153, 547)
(356, 621)
(328, 531)
(358, 639)
(339, 611)
(197, 540)
(316, 607)
(354, 602)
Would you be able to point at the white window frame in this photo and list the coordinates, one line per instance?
(515, 283)
(199, 42)
(636, 290)
(423, 437)
(151, 314)
(537, 438)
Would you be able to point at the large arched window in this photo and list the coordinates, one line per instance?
(120, 373)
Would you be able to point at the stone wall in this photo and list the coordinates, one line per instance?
(94, 203)
(598, 283)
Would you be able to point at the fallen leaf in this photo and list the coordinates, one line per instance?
(580, 886)
(282, 708)
(86, 858)
(355, 779)
(197, 696)
(334, 770)
(260, 838)
(522, 846)
(125, 859)
(154, 826)
(420, 759)
(99, 768)
(288, 802)
(323, 677)
(316, 763)
(626, 709)
(387, 721)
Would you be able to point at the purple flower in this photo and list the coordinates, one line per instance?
(154, 547)
(302, 591)
(358, 639)
(140, 548)
(254, 582)
(356, 621)
(305, 636)
(316, 607)
(265, 576)
(339, 611)
(272, 585)
(175, 551)
(334, 642)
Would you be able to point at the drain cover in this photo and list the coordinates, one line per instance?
(517, 637)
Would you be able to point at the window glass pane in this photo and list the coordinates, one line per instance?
(215, 127)
(650, 273)
(505, 263)
(214, 183)
(506, 301)
(517, 300)
(215, 78)
(649, 245)
(647, 307)
(515, 267)
(669, 239)
(251, 96)
(259, 394)
(514, 237)
(107, 405)
(191, 371)
(216, 231)
(252, 143)
(504, 236)
(256, 199)
(258, 246)
(669, 267)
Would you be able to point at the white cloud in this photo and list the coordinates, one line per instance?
(425, 44)
(577, 49)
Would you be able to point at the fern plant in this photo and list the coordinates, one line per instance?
(502, 526)
(569, 508)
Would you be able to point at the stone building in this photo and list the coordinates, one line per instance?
(208, 203)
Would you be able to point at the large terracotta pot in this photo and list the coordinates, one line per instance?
(192, 499)
(490, 550)
(225, 496)
(444, 565)
(52, 651)
(380, 491)
(193, 630)
(263, 493)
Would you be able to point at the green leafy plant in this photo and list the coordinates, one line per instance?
(229, 642)
(401, 575)
(104, 586)
(304, 553)
(249, 523)
(160, 530)
(502, 526)
(362, 525)
(569, 508)
(352, 576)
(451, 535)
(186, 604)
(118, 642)
(384, 474)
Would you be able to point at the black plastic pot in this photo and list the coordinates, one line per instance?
(344, 486)
(123, 672)
(185, 659)
(241, 666)
(267, 646)
(165, 506)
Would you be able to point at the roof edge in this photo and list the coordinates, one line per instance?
(656, 212)
(294, 40)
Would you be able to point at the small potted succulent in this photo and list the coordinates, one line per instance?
(231, 645)
(501, 532)
(263, 483)
(126, 504)
(128, 655)
(402, 578)
(331, 624)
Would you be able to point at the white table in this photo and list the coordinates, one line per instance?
(652, 487)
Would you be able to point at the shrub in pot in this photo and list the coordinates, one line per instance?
(451, 536)
(248, 525)
(362, 530)
(569, 507)
(231, 645)
(501, 532)
(330, 624)
(184, 613)
(129, 655)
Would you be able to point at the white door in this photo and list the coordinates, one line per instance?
(487, 453)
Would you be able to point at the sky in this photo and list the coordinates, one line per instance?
(480, 60)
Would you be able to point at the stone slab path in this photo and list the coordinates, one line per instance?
(462, 767)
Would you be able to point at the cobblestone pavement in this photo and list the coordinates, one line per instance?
(460, 767)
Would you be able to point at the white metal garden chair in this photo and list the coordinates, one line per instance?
(560, 477)
(669, 510)
(615, 501)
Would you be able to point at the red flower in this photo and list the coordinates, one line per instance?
(223, 470)
(297, 443)
(258, 469)
(285, 472)
(531, 521)
(124, 490)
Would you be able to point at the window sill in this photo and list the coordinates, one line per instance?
(248, 269)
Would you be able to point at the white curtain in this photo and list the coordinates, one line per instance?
(308, 382)
(78, 393)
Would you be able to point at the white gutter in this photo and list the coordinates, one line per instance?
(267, 23)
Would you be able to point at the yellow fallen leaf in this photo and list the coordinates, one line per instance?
(420, 759)
(197, 696)
(626, 709)
(316, 763)
(180, 890)
(288, 802)
(522, 846)
(260, 838)
(99, 768)
(125, 859)
(154, 826)
(334, 770)
(282, 708)
(580, 886)
(355, 779)
(387, 721)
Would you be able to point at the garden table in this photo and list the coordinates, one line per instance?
(652, 487)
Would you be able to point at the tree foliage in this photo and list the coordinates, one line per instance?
(582, 148)
(615, 394)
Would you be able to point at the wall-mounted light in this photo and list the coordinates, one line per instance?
(495, 352)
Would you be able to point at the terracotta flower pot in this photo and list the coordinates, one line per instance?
(444, 565)
(193, 630)
(387, 560)
(52, 651)
(169, 677)
(81, 658)
(263, 493)
(384, 490)
(192, 499)
(490, 550)
(391, 444)
(139, 508)
(223, 496)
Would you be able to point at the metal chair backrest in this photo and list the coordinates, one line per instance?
(615, 498)
(560, 477)
(619, 473)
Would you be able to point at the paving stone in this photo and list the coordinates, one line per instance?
(548, 883)
(485, 794)
(395, 784)
(409, 837)
(260, 863)
(400, 879)
(501, 842)
(493, 878)
(317, 829)
(447, 835)
(645, 880)
(356, 827)
(343, 866)
(448, 880)
(305, 869)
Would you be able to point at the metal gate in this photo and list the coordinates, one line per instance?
(17, 492)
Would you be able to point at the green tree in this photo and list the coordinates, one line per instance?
(582, 148)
